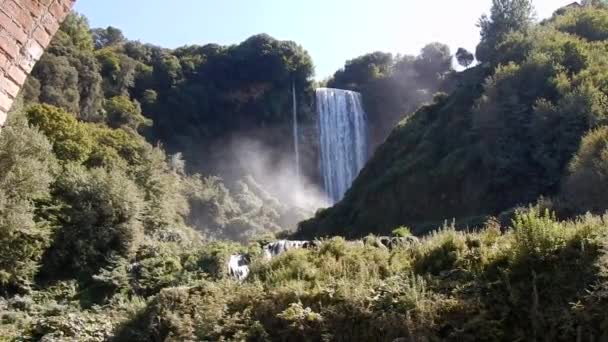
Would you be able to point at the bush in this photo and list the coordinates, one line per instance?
(537, 234)
(27, 168)
(122, 112)
(586, 186)
(402, 232)
(588, 23)
(71, 141)
(99, 219)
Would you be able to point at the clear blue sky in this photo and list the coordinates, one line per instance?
(333, 31)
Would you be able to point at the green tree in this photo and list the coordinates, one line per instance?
(27, 168)
(595, 3)
(362, 70)
(586, 186)
(590, 23)
(99, 219)
(71, 140)
(75, 32)
(58, 82)
(121, 111)
(107, 37)
(506, 16)
(433, 63)
(464, 57)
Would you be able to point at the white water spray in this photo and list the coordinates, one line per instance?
(343, 139)
(295, 135)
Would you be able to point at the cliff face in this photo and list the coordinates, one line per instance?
(419, 176)
(439, 165)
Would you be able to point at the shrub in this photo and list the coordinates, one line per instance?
(27, 168)
(442, 251)
(71, 141)
(537, 234)
(99, 219)
(402, 232)
(122, 112)
(588, 23)
(586, 186)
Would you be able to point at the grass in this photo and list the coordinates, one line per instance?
(537, 279)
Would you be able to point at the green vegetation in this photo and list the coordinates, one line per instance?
(115, 89)
(394, 86)
(500, 283)
(508, 134)
(195, 96)
(105, 236)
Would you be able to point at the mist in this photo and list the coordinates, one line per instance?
(253, 190)
(276, 173)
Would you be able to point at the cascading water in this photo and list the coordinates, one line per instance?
(343, 139)
(295, 134)
(238, 264)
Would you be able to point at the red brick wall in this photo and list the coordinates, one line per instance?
(26, 28)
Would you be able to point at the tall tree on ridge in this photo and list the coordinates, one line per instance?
(506, 16)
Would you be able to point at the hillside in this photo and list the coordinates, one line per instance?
(504, 138)
(107, 235)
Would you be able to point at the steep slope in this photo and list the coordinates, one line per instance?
(494, 143)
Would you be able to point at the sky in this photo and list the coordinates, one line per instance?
(333, 31)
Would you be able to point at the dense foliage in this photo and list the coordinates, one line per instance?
(505, 136)
(183, 99)
(537, 277)
(96, 223)
(394, 86)
(195, 96)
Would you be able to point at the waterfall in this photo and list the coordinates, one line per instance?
(343, 139)
(295, 134)
(238, 266)
(277, 248)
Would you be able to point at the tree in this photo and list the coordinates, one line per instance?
(434, 61)
(100, 219)
(464, 57)
(58, 82)
(121, 111)
(75, 32)
(107, 37)
(590, 23)
(506, 16)
(364, 69)
(27, 165)
(71, 141)
(595, 3)
(68, 73)
(585, 188)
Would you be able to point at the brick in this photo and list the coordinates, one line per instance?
(4, 64)
(34, 49)
(50, 23)
(30, 52)
(41, 36)
(45, 3)
(9, 45)
(9, 86)
(5, 102)
(17, 74)
(58, 10)
(19, 14)
(12, 28)
(35, 8)
(2, 118)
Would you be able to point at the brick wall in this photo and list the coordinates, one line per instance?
(26, 28)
